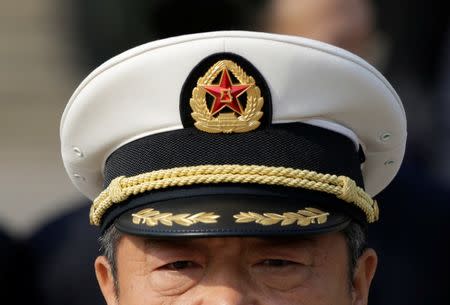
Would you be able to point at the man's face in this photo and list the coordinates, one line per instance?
(230, 271)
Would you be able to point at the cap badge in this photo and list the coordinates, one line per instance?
(217, 101)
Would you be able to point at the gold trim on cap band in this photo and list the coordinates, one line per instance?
(121, 188)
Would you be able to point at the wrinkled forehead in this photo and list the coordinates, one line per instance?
(256, 245)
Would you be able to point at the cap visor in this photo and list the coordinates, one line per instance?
(236, 211)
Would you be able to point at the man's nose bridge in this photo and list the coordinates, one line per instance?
(222, 294)
(228, 285)
(234, 276)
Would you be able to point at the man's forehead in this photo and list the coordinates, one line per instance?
(205, 242)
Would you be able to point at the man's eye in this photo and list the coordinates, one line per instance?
(276, 263)
(180, 265)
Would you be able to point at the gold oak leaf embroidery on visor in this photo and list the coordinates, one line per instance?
(152, 217)
(303, 218)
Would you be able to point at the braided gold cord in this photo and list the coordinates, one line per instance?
(121, 188)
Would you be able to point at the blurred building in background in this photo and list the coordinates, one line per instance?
(38, 72)
(48, 46)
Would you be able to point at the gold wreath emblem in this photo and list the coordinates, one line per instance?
(226, 97)
(303, 218)
(151, 218)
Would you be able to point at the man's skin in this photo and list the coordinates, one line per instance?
(236, 271)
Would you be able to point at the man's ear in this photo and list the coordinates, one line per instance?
(363, 275)
(106, 280)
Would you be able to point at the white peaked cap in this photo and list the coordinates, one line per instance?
(137, 94)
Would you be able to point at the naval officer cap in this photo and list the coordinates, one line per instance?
(233, 134)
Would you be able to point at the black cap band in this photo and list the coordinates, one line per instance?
(291, 145)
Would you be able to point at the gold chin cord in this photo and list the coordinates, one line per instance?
(344, 188)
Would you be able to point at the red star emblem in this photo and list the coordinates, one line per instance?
(226, 94)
